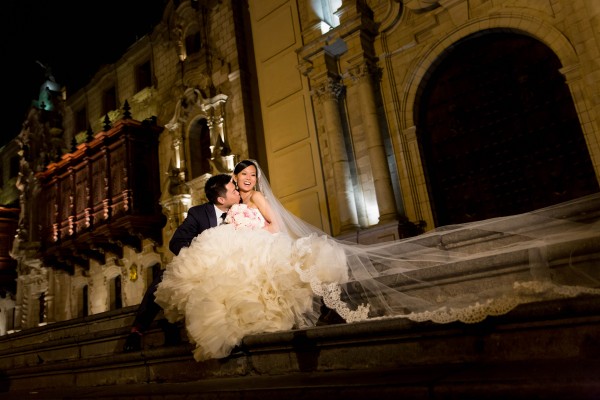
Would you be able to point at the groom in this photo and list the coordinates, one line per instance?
(221, 194)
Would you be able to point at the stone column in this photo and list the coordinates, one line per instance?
(49, 298)
(177, 145)
(361, 75)
(222, 159)
(20, 299)
(327, 95)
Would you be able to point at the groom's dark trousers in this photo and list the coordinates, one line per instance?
(199, 219)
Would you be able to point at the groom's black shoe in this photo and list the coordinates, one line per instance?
(239, 350)
(329, 317)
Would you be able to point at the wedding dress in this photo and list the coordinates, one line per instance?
(238, 279)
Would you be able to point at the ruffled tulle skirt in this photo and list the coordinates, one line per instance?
(230, 283)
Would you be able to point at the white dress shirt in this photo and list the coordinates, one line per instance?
(218, 213)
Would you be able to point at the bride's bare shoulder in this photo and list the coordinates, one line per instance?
(257, 196)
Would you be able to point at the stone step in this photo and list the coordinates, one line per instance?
(539, 350)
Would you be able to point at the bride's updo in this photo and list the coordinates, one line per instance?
(242, 165)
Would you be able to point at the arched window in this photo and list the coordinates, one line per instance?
(326, 10)
(143, 76)
(199, 145)
(116, 299)
(81, 121)
(83, 310)
(193, 43)
(41, 307)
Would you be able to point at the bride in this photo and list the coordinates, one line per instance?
(265, 270)
(238, 278)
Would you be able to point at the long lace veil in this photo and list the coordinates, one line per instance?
(462, 272)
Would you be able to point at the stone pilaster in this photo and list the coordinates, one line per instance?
(327, 96)
(362, 75)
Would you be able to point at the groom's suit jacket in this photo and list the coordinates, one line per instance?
(199, 218)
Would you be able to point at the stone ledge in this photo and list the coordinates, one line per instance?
(537, 348)
(551, 379)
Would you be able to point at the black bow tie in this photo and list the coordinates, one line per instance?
(223, 216)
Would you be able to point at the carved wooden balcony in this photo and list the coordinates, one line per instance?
(9, 218)
(102, 196)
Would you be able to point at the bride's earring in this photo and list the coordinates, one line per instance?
(236, 185)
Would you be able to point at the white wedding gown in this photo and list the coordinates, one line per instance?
(238, 279)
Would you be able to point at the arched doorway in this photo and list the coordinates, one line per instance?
(498, 131)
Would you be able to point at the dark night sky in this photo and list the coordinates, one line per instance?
(72, 37)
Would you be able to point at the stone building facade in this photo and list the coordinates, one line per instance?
(375, 120)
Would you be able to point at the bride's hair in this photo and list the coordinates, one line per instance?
(461, 272)
(242, 165)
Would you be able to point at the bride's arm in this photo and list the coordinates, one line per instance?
(267, 212)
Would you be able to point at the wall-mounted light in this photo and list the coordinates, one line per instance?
(133, 273)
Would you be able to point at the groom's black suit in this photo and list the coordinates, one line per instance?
(199, 219)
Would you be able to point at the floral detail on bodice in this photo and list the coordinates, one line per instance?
(242, 216)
